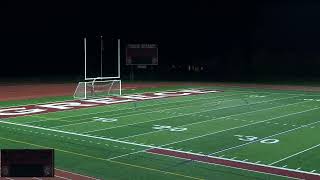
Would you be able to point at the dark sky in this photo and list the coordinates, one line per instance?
(44, 37)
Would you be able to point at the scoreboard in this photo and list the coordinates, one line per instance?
(142, 54)
(27, 163)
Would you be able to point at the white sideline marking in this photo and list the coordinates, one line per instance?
(295, 154)
(257, 162)
(285, 166)
(258, 140)
(199, 122)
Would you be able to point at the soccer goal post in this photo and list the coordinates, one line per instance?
(97, 88)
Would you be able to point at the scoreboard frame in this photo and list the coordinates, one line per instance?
(142, 46)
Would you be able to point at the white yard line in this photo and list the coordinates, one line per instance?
(102, 112)
(142, 145)
(288, 157)
(210, 120)
(280, 133)
(241, 126)
(135, 114)
(192, 114)
(157, 104)
(161, 147)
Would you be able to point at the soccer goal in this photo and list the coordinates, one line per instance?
(97, 88)
(103, 85)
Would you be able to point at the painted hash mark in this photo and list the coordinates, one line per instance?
(237, 164)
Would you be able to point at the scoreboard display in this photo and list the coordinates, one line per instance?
(142, 54)
(27, 163)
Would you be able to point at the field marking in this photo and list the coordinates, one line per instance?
(244, 93)
(121, 109)
(149, 146)
(300, 152)
(156, 104)
(143, 145)
(241, 126)
(147, 112)
(258, 140)
(102, 159)
(214, 119)
(125, 142)
(238, 161)
(170, 143)
(194, 113)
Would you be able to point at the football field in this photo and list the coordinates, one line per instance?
(225, 133)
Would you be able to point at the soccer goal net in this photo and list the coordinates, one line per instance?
(97, 88)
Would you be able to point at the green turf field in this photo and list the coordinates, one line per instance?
(268, 127)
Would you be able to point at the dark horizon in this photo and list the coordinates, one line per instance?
(230, 38)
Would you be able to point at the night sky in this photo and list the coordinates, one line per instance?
(229, 38)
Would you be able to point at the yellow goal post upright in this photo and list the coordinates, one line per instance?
(102, 86)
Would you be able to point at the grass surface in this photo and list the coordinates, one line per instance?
(278, 128)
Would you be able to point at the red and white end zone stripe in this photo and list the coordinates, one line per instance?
(79, 104)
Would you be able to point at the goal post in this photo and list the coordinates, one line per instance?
(97, 88)
(86, 77)
(102, 84)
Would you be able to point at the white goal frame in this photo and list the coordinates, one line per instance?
(90, 81)
(85, 84)
(101, 77)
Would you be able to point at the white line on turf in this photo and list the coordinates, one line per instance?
(280, 133)
(214, 119)
(313, 171)
(237, 127)
(242, 168)
(135, 114)
(148, 146)
(142, 145)
(298, 153)
(156, 104)
(185, 115)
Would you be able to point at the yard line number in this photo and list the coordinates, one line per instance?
(254, 138)
(100, 119)
(311, 100)
(256, 96)
(169, 128)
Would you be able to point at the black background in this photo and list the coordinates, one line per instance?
(231, 39)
